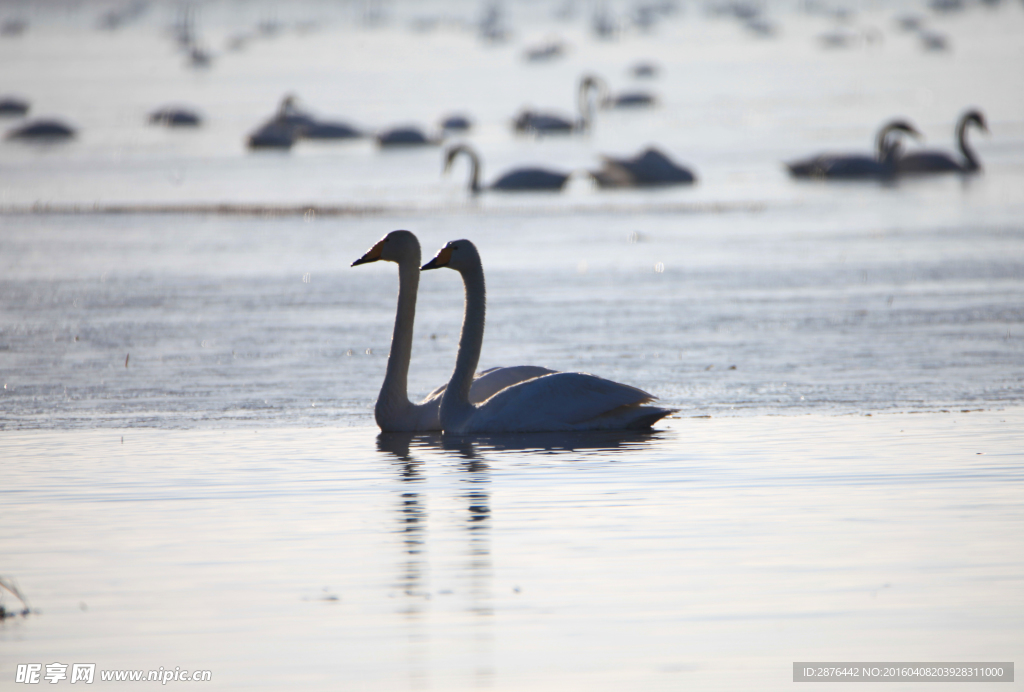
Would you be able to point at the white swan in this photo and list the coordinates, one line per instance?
(560, 401)
(394, 412)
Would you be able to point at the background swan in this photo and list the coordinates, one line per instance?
(529, 121)
(394, 412)
(519, 179)
(626, 99)
(648, 168)
(561, 401)
(940, 161)
(881, 165)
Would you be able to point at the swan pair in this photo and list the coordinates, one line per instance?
(501, 400)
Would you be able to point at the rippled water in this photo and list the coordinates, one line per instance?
(192, 476)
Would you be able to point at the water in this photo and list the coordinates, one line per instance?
(192, 476)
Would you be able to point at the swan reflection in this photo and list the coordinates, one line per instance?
(401, 445)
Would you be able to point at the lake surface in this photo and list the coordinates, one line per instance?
(192, 476)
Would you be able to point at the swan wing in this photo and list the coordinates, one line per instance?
(559, 401)
(491, 381)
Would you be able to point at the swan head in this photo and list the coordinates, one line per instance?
(393, 247)
(457, 255)
(977, 118)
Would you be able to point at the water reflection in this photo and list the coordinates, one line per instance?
(476, 578)
(473, 446)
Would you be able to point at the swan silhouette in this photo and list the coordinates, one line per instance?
(920, 162)
(393, 411)
(627, 99)
(406, 136)
(42, 130)
(854, 166)
(532, 122)
(562, 401)
(517, 180)
(649, 168)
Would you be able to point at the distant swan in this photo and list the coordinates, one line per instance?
(561, 401)
(940, 162)
(42, 130)
(627, 99)
(532, 122)
(520, 179)
(405, 137)
(649, 168)
(394, 412)
(853, 166)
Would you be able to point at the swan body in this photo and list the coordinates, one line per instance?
(563, 401)
(393, 411)
(628, 99)
(646, 169)
(457, 123)
(44, 130)
(172, 116)
(518, 180)
(404, 137)
(858, 166)
(920, 162)
(308, 127)
(9, 105)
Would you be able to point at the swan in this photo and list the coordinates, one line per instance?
(173, 116)
(562, 401)
(519, 179)
(405, 137)
(547, 124)
(394, 412)
(42, 130)
(308, 127)
(882, 165)
(648, 168)
(627, 99)
(941, 162)
(11, 105)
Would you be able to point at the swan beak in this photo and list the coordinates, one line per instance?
(442, 259)
(372, 255)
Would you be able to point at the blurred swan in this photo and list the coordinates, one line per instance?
(532, 122)
(308, 127)
(519, 179)
(627, 99)
(394, 412)
(941, 162)
(649, 168)
(407, 136)
(561, 401)
(11, 105)
(42, 130)
(852, 166)
(175, 116)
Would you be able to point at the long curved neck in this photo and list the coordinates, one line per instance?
(474, 176)
(472, 338)
(396, 381)
(965, 149)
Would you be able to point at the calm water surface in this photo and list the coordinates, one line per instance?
(191, 474)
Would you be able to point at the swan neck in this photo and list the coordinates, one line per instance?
(472, 337)
(396, 380)
(965, 149)
(474, 176)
